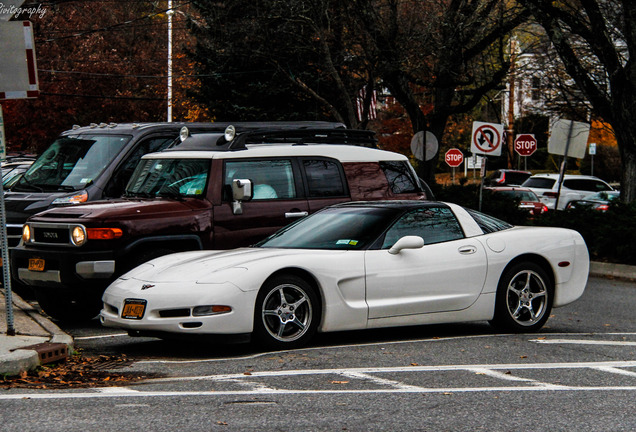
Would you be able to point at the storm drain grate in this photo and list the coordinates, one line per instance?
(50, 352)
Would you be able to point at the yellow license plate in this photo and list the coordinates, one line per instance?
(36, 264)
(133, 309)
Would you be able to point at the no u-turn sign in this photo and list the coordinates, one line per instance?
(486, 139)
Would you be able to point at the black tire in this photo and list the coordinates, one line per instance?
(524, 299)
(65, 307)
(287, 313)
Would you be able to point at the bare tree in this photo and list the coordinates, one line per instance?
(595, 40)
(447, 54)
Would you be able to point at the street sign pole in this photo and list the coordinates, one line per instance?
(8, 293)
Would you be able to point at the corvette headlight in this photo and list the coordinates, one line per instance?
(78, 235)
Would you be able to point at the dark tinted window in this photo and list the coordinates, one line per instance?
(334, 228)
(488, 224)
(434, 225)
(324, 178)
(589, 185)
(115, 187)
(400, 176)
(541, 183)
(72, 162)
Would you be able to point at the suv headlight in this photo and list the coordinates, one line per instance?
(26, 233)
(78, 235)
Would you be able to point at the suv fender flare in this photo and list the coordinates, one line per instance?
(155, 241)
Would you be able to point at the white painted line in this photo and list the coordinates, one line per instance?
(583, 342)
(400, 369)
(106, 336)
(615, 371)
(285, 392)
(115, 390)
(500, 375)
(382, 381)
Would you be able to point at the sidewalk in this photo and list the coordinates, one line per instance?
(38, 340)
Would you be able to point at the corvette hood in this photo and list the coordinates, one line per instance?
(218, 266)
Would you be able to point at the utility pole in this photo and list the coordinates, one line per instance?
(170, 13)
(511, 102)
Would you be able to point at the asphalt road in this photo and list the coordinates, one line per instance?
(579, 373)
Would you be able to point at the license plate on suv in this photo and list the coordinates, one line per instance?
(133, 309)
(36, 264)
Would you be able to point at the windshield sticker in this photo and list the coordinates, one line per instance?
(347, 242)
(85, 180)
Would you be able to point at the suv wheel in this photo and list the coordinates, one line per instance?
(66, 307)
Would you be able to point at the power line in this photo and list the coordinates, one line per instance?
(103, 96)
(115, 26)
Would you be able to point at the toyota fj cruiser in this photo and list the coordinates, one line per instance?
(212, 191)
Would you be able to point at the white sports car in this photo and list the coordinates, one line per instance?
(357, 266)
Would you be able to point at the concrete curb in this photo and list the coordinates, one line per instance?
(619, 271)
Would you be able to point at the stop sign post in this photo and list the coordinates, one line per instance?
(454, 158)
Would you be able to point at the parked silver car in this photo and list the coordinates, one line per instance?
(574, 187)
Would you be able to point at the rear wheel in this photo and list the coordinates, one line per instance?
(524, 298)
(287, 312)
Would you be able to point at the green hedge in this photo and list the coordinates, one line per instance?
(610, 235)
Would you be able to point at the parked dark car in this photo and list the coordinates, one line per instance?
(528, 200)
(599, 201)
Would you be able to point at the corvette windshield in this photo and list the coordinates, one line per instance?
(334, 229)
(71, 163)
(175, 178)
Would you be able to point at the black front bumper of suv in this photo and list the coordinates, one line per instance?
(57, 268)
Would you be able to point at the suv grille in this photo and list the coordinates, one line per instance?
(51, 235)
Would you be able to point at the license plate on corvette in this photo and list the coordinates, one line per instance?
(36, 264)
(133, 309)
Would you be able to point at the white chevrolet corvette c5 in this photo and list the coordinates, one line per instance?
(357, 266)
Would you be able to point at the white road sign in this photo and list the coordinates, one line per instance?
(487, 138)
(576, 133)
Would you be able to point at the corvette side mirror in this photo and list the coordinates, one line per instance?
(407, 242)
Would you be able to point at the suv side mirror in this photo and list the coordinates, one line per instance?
(241, 191)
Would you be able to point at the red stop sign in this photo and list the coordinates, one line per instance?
(454, 157)
(525, 144)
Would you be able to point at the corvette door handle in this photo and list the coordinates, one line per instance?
(467, 250)
(290, 215)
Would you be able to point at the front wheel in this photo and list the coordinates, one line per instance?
(524, 298)
(65, 307)
(287, 313)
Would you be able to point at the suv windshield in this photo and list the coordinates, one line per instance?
(169, 177)
(71, 163)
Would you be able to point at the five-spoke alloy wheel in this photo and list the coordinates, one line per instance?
(524, 298)
(287, 312)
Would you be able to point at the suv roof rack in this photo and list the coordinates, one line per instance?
(357, 137)
(239, 141)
